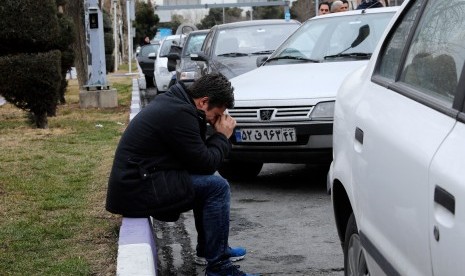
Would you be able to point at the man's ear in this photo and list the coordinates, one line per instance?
(204, 102)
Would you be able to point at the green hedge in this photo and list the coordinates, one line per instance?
(28, 25)
(31, 82)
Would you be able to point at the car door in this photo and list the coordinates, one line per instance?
(447, 181)
(447, 203)
(402, 118)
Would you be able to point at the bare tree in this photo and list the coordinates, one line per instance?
(75, 9)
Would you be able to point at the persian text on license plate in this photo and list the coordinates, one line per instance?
(266, 135)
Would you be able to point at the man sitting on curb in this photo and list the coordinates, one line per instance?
(164, 146)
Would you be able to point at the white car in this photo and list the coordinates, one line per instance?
(397, 180)
(161, 76)
(284, 108)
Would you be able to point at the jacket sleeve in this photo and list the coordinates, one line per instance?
(198, 157)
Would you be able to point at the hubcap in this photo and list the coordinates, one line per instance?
(357, 265)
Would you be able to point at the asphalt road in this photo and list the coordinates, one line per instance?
(284, 218)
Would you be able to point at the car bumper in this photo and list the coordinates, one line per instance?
(162, 81)
(313, 145)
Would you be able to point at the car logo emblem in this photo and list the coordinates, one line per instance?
(265, 114)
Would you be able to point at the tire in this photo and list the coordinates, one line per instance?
(234, 170)
(354, 258)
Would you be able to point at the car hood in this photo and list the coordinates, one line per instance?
(293, 81)
(235, 66)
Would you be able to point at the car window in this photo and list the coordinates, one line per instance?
(194, 44)
(436, 56)
(319, 38)
(166, 46)
(252, 39)
(206, 46)
(146, 50)
(392, 53)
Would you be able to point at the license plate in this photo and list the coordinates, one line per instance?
(266, 135)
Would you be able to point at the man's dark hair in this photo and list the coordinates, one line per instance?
(216, 87)
(323, 3)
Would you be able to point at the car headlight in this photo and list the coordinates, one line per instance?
(323, 111)
(190, 75)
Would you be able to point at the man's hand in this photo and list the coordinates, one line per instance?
(225, 124)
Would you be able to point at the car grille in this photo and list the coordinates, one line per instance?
(272, 114)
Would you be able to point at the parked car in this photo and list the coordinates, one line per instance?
(232, 48)
(284, 108)
(397, 181)
(162, 76)
(186, 69)
(146, 60)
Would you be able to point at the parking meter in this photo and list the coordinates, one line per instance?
(97, 70)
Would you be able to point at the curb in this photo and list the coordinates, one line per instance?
(137, 251)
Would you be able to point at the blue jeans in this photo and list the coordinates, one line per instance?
(211, 213)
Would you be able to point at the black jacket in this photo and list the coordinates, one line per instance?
(169, 133)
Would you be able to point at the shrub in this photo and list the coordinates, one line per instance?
(31, 82)
(32, 66)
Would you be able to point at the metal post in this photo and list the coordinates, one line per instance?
(115, 33)
(128, 15)
(316, 7)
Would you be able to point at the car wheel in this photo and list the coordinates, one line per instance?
(235, 170)
(354, 258)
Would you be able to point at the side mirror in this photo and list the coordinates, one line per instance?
(171, 64)
(260, 60)
(152, 56)
(173, 56)
(199, 57)
(363, 33)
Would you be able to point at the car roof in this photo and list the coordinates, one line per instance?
(199, 32)
(172, 37)
(354, 12)
(256, 23)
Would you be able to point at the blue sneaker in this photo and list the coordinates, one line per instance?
(235, 254)
(226, 270)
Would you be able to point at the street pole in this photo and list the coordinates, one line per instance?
(115, 34)
(316, 7)
(128, 11)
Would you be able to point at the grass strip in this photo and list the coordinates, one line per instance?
(53, 187)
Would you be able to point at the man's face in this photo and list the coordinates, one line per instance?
(345, 7)
(324, 9)
(212, 115)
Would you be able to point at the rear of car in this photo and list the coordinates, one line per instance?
(397, 182)
(162, 76)
(146, 60)
(187, 69)
(284, 109)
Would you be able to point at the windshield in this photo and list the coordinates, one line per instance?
(252, 39)
(326, 37)
(193, 44)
